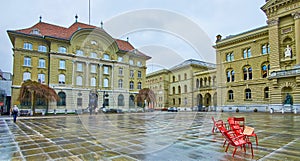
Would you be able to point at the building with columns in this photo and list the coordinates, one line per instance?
(259, 68)
(189, 85)
(78, 61)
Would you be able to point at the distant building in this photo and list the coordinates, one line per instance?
(76, 61)
(5, 92)
(189, 85)
(259, 68)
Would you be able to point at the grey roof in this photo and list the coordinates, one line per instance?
(194, 62)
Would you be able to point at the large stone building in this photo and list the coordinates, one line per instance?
(188, 85)
(257, 69)
(78, 62)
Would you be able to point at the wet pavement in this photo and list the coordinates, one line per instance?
(144, 136)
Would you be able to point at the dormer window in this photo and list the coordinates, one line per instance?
(35, 31)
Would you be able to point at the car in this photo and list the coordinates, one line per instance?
(172, 109)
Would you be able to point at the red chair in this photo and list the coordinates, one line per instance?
(216, 124)
(236, 141)
(237, 124)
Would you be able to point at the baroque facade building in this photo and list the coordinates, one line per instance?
(189, 85)
(77, 61)
(259, 69)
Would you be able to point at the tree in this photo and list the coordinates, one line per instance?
(145, 94)
(36, 89)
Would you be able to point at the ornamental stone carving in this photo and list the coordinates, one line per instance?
(296, 15)
(272, 22)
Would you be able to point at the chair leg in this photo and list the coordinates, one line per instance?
(234, 152)
(251, 149)
(227, 147)
(213, 129)
(224, 143)
(256, 140)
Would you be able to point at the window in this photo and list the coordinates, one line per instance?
(120, 71)
(179, 101)
(79, 53)
(79, 80)
(179, 90)
(105, 70)
(27, 61)
(26, 76)
(230, 75)
(229, 57)
(139, 85)
(93, 82)
(265, 49)
(79, 67)
(93, 68)
(179, 78)
(93, 42)
(41, 78)
(42, 63)
(79, 102)
(266, 92)
(139, 74)
(131, 73)
(247, 94)
(185, 88)
(61, 79)
(62, 49)
(131, 85)
(173, 78)
(35, 31)
(62, 64)
(247, 73)
(197, 83)
(185, 76)
(247, 53)
(120, 100)
(139, 63)
(42, 48)
(173, 89)
(93, 55)
(106, 57)
(105, 82)
(230, 95)
(131, 62)
(120, 83)
(27, 46)
(265, 70)
(62, 99)
(120, 59)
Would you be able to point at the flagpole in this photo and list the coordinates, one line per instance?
(89, 12)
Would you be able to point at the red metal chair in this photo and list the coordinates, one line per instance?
(237, 124)
(236, 141)
(216, 124)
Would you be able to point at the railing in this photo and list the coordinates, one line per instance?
(285, 73)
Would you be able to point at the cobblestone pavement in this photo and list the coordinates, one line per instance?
(144, 136)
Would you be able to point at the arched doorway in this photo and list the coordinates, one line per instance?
(207, 100)
(131, 101)
(199, 102)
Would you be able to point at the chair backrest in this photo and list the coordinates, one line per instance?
(240, 121)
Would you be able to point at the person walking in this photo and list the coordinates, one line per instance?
(15, 112)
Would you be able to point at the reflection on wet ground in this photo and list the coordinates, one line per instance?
(144, 136)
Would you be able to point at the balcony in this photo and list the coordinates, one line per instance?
(285, 73)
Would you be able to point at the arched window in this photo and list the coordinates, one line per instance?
(265, 70)
(79, 81)
(174, 101)
(173, 78)
(230, 95)
(230, 75)
(62, 99)
(62, 49)
(139, 85)
(105, 82)
(266, 92)
(247, 94)
(173, 90)
(179, 90)
(185, 76)
(197, 83)
(120, 100)
(93, 82)
(205, 81)
(201, 82)
(247, 73)
(131, 85)
(179, 78)
(179, 101)
(42, 48)
(185, 88)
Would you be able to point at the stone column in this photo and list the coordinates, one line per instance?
(100, 75)
(73, 72)
(297, 36)
(274, 44)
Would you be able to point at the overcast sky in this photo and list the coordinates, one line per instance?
(169, 31)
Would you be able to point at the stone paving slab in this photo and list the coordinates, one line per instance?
(144, 136)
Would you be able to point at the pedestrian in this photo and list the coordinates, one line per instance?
(96, 110)
(15, 112)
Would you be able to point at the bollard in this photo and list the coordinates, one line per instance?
(282, 110)
(271, 110)
(54, 111)
(66, 111)
(295, 110)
